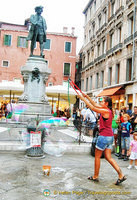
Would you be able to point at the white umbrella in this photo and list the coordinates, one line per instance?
(61, 92)
(8, 86)
(57, 91)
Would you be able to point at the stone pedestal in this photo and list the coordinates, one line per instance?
(35, 74)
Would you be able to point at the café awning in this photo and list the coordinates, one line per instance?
(61, 92)
(109, 92)
(58, 91)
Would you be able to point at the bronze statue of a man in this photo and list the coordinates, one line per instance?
(37, 31)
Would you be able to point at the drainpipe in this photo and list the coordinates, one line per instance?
(133, 54)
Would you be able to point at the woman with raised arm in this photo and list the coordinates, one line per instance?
(106, 138)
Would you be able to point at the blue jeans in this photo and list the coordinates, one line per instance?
(125, 143)
(104, 142)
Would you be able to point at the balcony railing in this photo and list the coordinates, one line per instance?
(98, 31)
(130, 38)
(127, 40)
(119, 10)
(89, 64)
(112, 17)
(101, 29)
(93, 37)
(116, 13)
(116, 48)
(129, 2)
(100, 58)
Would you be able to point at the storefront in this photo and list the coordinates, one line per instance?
(131, 95)
(117, 94)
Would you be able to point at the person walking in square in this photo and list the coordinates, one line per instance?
(90, 120)
(133, 151)
(106, 138)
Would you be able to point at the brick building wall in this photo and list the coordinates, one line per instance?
(13, 56)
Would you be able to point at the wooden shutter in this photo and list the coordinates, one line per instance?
(109, 78)
(116, 75)
(67, 69)
(18, 42)
(26, 43)
(7, 40)
(67, 46)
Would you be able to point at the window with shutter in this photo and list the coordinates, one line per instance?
(129, 69)
(47, 44)
(68, 47)
(117, 73)
(82, 85)
(102, 79)
(110, 76)
(22, 42)
(90, 82)
(86, 84)
(66, 69)
(97, 80)
(103, 46)
(7, 40)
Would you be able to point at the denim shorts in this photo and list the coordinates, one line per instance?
(104, 142)
(125, 143)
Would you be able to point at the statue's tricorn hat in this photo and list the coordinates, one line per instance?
(38, 7)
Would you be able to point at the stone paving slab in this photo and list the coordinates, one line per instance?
(22, 178)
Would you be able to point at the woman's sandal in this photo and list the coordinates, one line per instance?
(120, 180)
(93, 179)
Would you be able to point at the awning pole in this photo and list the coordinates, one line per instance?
(10, 96)
(58, 105)
(52, 104)
(69, 98)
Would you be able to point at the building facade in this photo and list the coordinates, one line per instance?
(109, 54)
(59, 50)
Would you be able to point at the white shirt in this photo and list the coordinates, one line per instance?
(83, 111)
(90, 116)
(11, 107)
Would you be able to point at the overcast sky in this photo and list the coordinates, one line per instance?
(58, 13)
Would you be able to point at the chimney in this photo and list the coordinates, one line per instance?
(73, 30)
(27, 23)
(65, 29)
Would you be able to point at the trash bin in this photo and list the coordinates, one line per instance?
(35, 141)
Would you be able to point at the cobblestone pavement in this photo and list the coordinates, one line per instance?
(22, 178)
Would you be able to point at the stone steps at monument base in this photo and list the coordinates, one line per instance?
(17, 146)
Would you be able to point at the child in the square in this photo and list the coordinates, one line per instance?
(126, 129)
(133, 151)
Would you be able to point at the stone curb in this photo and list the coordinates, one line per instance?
(71, 147)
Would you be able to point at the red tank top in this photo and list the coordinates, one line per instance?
(105, 128)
